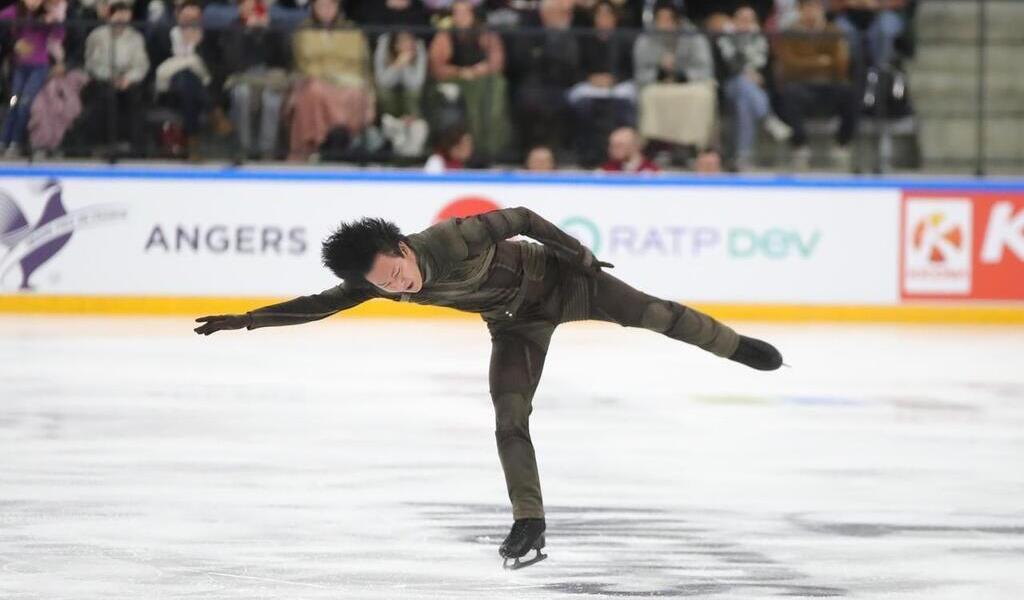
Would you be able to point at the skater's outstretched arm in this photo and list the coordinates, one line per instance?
(495, 226)
(291, 312)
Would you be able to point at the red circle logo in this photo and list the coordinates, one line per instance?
(466, 206)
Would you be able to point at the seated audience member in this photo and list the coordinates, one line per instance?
(628, 12)
(743, 60)
(389, 13)
(674, 68)
(879, 22)
(540, 159)
(467, 62)
(441, 6)
(182, 79)
(625, 153)
(335, 91)
(545, 65)
(255, 56)
(116, 61)
(452, 151)
(38, 36)
(400, 66)
(698, 11)
(707, 162)
(812, 73)
(83, 17)
(606, 98)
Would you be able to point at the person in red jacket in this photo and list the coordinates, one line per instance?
(625, 153)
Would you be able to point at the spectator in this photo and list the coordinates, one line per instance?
(83, 17)
(38, 36)
(183, 77)
(698, 11)
(439, 6)
(743, 62)
(452, 151)
(390, 13)
(546, 65)
(540, 159)
(625, 11)
(812, 70)
(674, 68)
(467, 62)
(511, 13)
(625, 153)
(255, 57)
(116, 61)
(606, 98)
(400, 64)
(879, 21)
(708, 162)
(333, 60)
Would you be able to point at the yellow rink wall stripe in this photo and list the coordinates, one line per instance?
(198, 305)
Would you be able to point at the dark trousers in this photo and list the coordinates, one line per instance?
(799, 100)
(188, 94)
(543, 115)
(112, 115)
(519, 347)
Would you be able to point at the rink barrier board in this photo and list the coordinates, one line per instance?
(198, 306)
(873, 306)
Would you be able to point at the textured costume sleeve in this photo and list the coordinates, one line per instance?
(309, 308)
(487, 229)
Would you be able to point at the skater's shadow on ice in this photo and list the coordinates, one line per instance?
(637, 552)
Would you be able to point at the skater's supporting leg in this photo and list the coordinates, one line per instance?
(614, 300)
(518, 349)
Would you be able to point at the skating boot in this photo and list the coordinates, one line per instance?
(526, 535)
(757, 354)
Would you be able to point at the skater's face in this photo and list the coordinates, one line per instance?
(396, 274)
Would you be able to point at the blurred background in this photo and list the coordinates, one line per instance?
(706, 85)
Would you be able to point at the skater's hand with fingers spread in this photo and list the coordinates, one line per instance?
(214, 323)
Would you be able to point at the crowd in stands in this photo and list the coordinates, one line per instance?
(609, 84)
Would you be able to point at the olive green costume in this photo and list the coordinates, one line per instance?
(523, 291)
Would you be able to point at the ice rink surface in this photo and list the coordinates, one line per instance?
(356, 459)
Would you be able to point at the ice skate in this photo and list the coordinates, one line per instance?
(757, 354)
(526, 535)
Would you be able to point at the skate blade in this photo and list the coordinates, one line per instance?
(520, 564)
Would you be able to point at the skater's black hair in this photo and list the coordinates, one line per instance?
(350, 250)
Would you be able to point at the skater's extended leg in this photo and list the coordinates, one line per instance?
(616, 301)
(518, 350)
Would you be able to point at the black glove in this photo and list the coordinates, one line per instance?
(218, 322)
(590, 263)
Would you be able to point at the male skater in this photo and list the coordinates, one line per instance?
(523, 291)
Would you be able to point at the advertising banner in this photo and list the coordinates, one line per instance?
(246, 237)
(958, 245)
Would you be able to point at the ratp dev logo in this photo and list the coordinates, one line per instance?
(937, 244)
(29, 239)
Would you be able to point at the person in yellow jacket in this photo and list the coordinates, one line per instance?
(334, 90)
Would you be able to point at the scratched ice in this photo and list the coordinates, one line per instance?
(355, 459)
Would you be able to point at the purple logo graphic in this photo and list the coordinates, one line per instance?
(31, 246)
